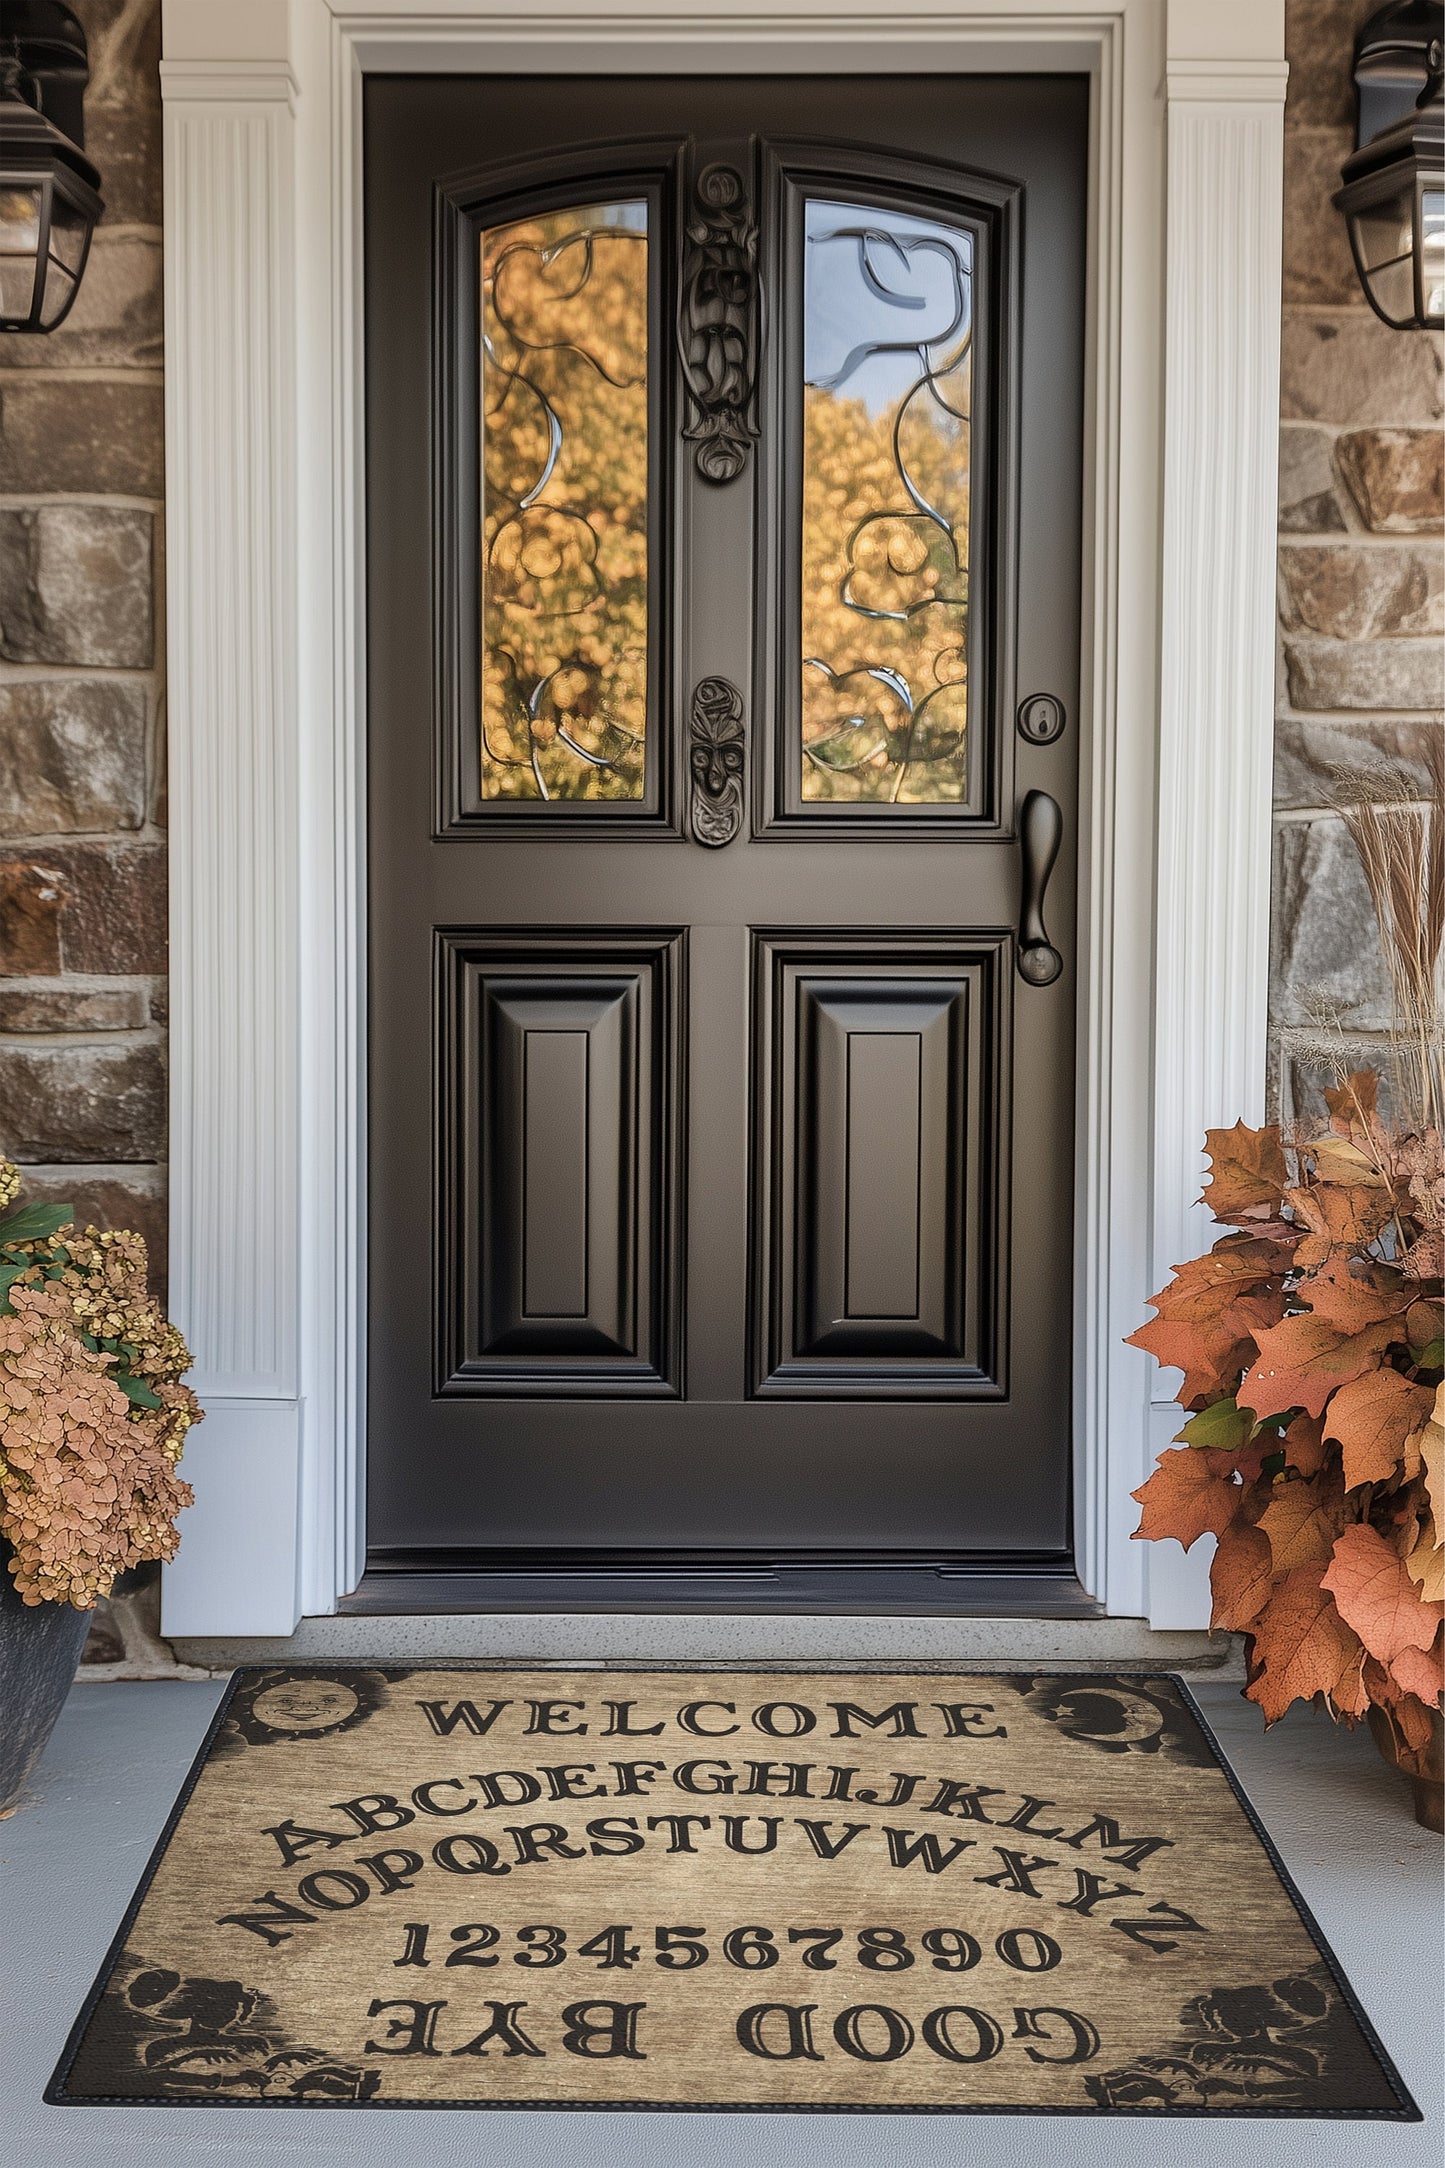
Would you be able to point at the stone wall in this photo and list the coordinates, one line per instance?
(1360, 571)
(82, 765)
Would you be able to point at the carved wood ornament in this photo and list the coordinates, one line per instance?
(717, 757)
(717, 328)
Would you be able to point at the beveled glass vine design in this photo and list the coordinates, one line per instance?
(887, 369)
(564, 505)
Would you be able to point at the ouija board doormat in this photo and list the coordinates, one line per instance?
(681, 1889)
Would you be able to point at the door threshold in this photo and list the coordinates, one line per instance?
(955, 1587)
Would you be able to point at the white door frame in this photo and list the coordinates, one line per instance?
(266, 630)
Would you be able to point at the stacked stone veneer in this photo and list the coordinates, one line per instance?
(82, 770)
(1360, 570)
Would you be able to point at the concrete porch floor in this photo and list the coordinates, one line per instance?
(71, 1855)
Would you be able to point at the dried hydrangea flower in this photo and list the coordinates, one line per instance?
(87, 1482)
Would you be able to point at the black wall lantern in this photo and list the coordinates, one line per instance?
(49, 190)
(1393, 196)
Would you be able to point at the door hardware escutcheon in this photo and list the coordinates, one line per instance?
(1041, 830)
(717, 757)
(1041, 719)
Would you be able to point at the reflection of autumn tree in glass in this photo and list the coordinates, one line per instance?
(564, 510)
(885, 517)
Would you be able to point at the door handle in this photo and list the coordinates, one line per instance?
(1041, 830)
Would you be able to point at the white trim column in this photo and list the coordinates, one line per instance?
(231, 441)
(1226, 85)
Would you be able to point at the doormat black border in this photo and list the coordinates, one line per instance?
(55, 2095)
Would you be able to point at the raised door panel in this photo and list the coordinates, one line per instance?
(879, 1165)
(557, 1189)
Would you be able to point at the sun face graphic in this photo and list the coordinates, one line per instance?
(304, 1705)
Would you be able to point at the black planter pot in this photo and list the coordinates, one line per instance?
(40, 1646)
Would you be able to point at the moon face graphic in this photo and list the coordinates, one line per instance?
(1116, 1714)
(1121, 1719)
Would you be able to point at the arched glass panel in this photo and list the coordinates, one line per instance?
(888, 375)
(564, 505)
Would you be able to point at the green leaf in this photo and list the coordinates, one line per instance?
(9, 1274)
(1223, 1428)
(137, 1391)
(33, 1222)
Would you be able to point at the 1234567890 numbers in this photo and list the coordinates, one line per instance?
(620, 1947)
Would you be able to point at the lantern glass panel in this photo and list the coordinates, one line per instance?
(69, 236)
(1432, 252)
(1383, 236)
(20, 215)
(1385, 232)
(69, 240)
(1392, 288)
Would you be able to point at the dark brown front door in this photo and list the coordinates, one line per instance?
(723, 454)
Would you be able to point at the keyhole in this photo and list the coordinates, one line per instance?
(1041, 719)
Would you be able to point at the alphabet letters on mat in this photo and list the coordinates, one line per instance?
(809, 1890)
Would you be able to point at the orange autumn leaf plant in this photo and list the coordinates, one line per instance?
(1310, 1342)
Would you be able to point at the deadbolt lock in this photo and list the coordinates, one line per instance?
(1041, 719)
